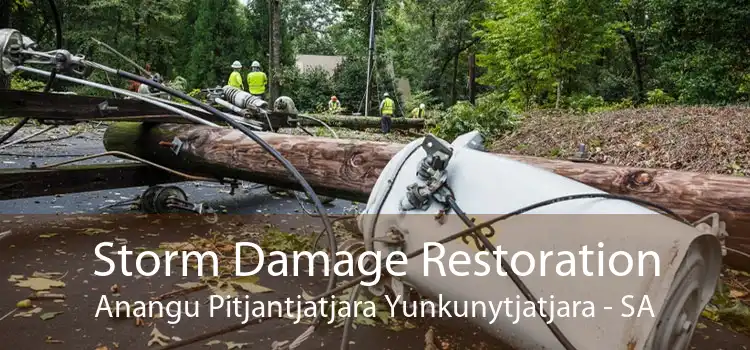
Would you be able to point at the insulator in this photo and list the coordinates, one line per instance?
(243, 99)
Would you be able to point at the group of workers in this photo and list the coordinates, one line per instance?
(257, 81)
(386, 111)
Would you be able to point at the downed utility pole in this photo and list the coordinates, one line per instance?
(348, 169)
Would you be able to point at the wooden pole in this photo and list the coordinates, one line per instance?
(275, 59)
(348, 169)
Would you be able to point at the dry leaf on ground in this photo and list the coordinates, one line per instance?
(37, 283)
(157, 338)
(29, 313)
(49, 315)
(249, 284)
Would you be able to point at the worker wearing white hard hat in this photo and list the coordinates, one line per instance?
(386, 113)
(418, 112)
(235, 79)
(256, 80)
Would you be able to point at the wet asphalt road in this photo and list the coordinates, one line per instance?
(23, 250)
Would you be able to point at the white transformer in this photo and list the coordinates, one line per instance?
(485, 185)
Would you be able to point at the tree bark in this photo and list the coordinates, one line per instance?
(635, 58)
(472, 86)
(348, 169)
(362, 123)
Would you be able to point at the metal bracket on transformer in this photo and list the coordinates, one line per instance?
(716, 227)
(432, 171)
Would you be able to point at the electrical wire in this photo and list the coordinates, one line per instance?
(53, 139)
(15, 129)
(48, 86)
(22, 122)
(321, 123)
(122, 92)
(21, 140)
(118, 54)
(476, 230)
(739, 252)
(268, 148)
(132, 157)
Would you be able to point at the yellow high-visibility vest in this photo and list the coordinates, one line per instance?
(235, 80)
(417, 112)
(256, 82)
(387, 108)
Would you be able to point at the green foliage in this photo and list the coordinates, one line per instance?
(276, 240)
(586, 103)
(425, 97)
(178, 83)
(19, 83)
(602, 55)
(310, 90)
(727, 306)
(490, 117)
(658, 97)
(349, 78)
(535, 45)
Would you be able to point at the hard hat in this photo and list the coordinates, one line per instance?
(256, 64)
(385, 94)
(421, 105)
(236, 65)
(156, 78)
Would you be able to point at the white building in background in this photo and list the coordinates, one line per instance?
(329, 64)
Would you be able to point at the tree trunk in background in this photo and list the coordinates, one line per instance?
(472, 88)
(4, 23)
(455, 78)
(275, 61)
(635, 57)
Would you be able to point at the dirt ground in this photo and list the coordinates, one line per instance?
(65, 244)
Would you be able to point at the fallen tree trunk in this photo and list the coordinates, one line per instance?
(362, 123)
(348, 169)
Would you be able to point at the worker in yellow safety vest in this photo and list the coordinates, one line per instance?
(386, 113)
(334, 105)
(257, 80)
(418, 112)
(235, 79)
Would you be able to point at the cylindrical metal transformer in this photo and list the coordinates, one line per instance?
(243, 99)
(674, 267)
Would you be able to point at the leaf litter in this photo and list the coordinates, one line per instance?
(157, 338)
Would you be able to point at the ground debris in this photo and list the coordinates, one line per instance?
(50, 340)
(728, 305)
(90, 231)
(29, 313)
(645, 137)
(157, 338)
(232, 345)
(40, 283)
(49, 315)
